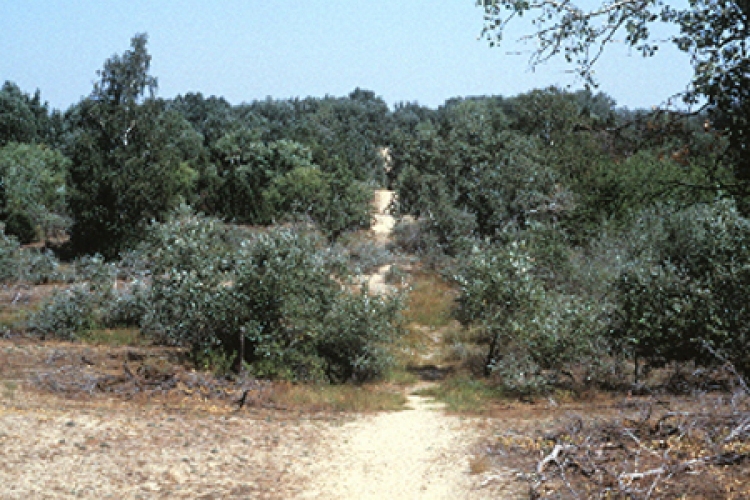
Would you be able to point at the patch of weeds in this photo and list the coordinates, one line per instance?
(464, 394)
(412, 344)
(12, 318)
(114, 337)
(401, 376)
(480, 464)
(430, 301)
(462, 346)
(338, 398)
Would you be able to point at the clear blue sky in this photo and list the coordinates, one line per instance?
(404, 50)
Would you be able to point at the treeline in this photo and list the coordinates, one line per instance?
(585, 239)
(122, 157)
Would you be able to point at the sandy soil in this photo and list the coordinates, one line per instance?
(419, 453)
(97, 446)
(50, 448)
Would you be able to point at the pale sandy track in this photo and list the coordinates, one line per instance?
(419, 453)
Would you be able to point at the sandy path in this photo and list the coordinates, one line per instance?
(419, 453)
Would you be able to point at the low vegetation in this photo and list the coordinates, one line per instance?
(549, 246)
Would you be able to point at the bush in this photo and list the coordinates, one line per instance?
(40, 266)
(20, 225)
(273, 303)
(358, 330)
(29, 265)
(9, 257)
(91, 303)
(533, 336)
(66, 314)
(33, 197)
(685, 287)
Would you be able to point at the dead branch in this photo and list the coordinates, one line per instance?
(739, 431)
(554, 456)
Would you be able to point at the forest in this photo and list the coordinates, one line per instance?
(583, 246)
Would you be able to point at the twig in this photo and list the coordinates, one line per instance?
(730, 366)
(742, 428)
(628, 433)
(554, 456)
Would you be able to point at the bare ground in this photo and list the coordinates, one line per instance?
(181, 443)
(417, 453)
(134, 444)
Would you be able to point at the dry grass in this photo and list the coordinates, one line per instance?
(430, 300)
(114, 337)
(338, 398)
(480, 464)
(462, 393)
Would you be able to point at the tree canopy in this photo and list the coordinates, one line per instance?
(715, 34)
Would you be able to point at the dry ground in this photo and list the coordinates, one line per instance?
(73, 424)
(135, 443)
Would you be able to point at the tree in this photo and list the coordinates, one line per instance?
(490, 177)
(129, 156)
(24, 118)
(32, 188)
(714, 33)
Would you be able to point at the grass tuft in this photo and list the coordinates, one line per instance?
(430, 301)
(338, 398)
(114, 337)
(464, 394)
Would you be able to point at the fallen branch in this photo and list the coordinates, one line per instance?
(554, 456)
(742, 428)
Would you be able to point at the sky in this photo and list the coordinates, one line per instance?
(423, 51)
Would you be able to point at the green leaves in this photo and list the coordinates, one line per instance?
(532, 334)
(130, 157)
(272, 300)
(687, 286)
(32, 181)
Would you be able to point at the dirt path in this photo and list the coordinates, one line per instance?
(419, 453)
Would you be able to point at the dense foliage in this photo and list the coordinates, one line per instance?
(582, 238)
(33, 191)
(682, 293)
(714, 34)
(272, 302)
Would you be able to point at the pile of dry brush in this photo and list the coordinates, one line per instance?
(653, 447)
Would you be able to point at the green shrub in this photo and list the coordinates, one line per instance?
(91, 303)
(68, 313)
(533, 335)
(357, 332)
(273, 303)
(33, 194)
(685, 287)
(28, 265)
(9, 257)
(41, 266)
